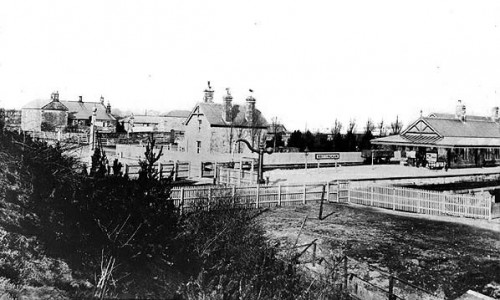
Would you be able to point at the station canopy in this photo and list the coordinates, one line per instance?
(447, 131)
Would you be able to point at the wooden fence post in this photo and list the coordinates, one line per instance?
(126, 169)
(209, 197)
(182, 201)
(371, 195)
(215, 172)
(328, 191)
(393, 198)
(257, 199)
(348, 185)
(233, 192)
(314, 254)
(279, 195)
(304, 194)
(391, 288)
(345, 274)
(176, 170)
(160, 170)
(490, 209)
(338, 191)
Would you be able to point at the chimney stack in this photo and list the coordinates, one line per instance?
(209, 94)
(55, 96)
(80, 99)
(495, 114)
(108, 108)
(460, 111)
(250, 109)
(227, 106)
(102, 100)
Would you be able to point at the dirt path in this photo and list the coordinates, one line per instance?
(444, 256)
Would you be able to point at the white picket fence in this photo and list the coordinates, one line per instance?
(257, 196)
(395, 198)
(422, 201)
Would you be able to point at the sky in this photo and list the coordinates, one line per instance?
(308, 62)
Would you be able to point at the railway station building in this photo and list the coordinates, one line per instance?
(449, 140)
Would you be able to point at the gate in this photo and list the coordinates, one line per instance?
(343, 191)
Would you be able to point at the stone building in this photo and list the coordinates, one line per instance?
(213, 128)
(54, 114)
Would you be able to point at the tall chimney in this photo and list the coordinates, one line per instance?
(209, 94)
(250, 109)
(460, 111)
(227, 106)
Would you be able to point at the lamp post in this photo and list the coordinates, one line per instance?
(260, 151)
(306, 153)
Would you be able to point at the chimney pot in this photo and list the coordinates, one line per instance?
(460, 111)
(495, 114)
(209, 94)
(250, 109)
(227, 106)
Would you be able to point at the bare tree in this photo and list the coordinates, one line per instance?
(336, 128)
(396, 126)
(275, 124)
(370, 126)
(382, 131)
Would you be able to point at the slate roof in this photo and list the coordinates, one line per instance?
(55, 105)
(83, 110)
(178, 114)
(213, 113)
(77, 110)
(476, 131)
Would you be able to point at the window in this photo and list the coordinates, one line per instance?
(199, 125)
(198, 146)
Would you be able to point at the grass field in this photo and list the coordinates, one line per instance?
(443, 257)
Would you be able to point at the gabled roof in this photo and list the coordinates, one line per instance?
(448, 131)
(213, 113)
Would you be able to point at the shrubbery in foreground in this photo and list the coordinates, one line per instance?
(65, 234)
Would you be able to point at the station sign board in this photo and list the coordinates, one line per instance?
(333, 155)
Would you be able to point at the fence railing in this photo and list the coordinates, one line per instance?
(395, 198)
(238, 177)
(181, 170)
(422, 201)
(257, 196)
